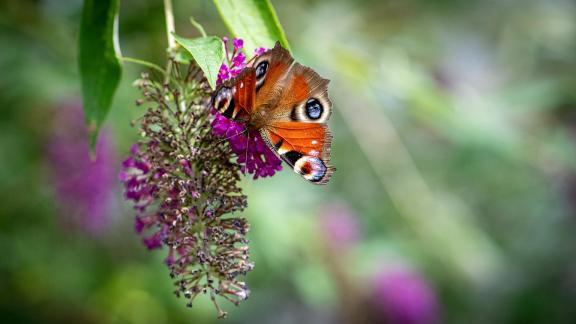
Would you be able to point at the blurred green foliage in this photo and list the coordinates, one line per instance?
(454, 138)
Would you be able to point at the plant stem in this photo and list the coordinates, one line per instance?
(170, 29)
(144, 63)
(198, 26)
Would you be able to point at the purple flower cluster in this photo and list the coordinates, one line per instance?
(84, 186)
(140, 187)
(236, 61)
(253, 155)
(183, 186)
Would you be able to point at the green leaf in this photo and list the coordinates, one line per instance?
(99, 62)
(208, 52)
(254, 21)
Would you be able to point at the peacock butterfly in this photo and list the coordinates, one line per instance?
(287, 103)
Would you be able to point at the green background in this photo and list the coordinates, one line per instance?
(454, 138)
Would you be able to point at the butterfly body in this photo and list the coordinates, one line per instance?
(287, 103)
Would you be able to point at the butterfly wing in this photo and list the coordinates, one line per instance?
(271, 68)
(303, 146)
(296, 124)
(238, 97)
(235, 98)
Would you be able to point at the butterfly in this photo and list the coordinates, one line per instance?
(287, 103)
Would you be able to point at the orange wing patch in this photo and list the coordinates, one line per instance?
(245, 91)
(279, 61)
(304, 146)
(297, 91)
(306, 138)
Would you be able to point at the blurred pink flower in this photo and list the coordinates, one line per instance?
(403, 296)
(339, 226)
(84, 187)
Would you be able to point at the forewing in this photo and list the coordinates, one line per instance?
(271, 70)
(235, 98)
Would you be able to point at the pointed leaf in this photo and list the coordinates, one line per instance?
(208, 52)
(98, 59)
(254, 21)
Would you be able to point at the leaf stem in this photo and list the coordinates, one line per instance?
(198, 26)
(170, 29)
(144, 63)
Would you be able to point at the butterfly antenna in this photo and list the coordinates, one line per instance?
(227, 138)
(252, 59)
(246, 153)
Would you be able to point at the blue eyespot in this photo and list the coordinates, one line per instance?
(314, 108)
(261, 69)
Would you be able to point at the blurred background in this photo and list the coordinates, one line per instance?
(454, 201)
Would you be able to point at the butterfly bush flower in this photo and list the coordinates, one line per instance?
(403, 296)
(184, 189)
(84, 186)
(253, 155)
